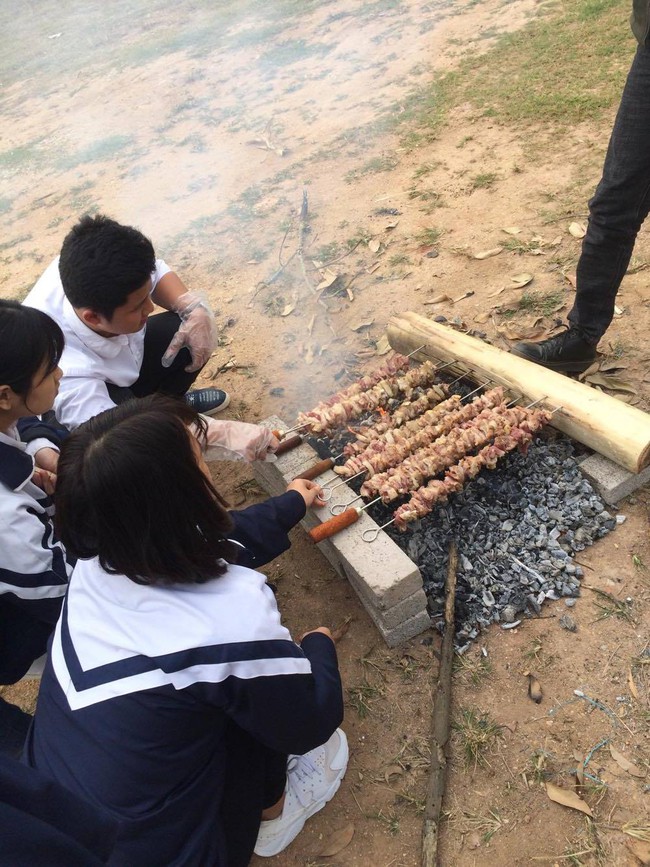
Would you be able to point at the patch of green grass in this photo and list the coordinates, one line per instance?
(399, 259)
(361, 697)
(473, 668)
(518, 245)
(543, 303)
(98, 151)
(484, 181)
(383, 163)
(21, 156)
(429, 236)
(610, 606)
(477, 735)
(292, 51)
(582, 54)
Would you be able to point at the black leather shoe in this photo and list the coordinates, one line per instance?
(566, 352)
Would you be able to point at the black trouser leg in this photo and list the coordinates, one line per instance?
(619, 206)
(173, 380)
(255, 779)
(22, 640)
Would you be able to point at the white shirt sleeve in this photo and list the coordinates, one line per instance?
(41, 443)
(80, 398)
(162, 268)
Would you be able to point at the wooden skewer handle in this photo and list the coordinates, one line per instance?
(317, 469)
(277, 434)
(334, 525)
(288, 444)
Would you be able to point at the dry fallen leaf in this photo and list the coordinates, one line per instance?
(593, 368)
(481, 318)
(521, 280)
(329, 277)
(487, 254)
(640, 850)
(439, 299)
(632, 684)
(383, 346)
(613, 364)
(374, 245)
(570, 278)
(288, 309)
(337, 841)
(361, 325)
(393, 771)
(391, 225)
(372, 268)
(613, 383)
(626, 764)
(534, 689)
(567, 798)
(467, 294)
(578, 230)
(524, 330)
(512, 230)
(310, 327)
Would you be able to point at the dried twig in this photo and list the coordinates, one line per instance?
(302, 230)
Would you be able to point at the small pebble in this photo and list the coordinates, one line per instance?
(570, 602)
(621, 519)
(567, 622)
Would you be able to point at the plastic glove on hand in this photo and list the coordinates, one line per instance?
(237, 440)
(197, 331)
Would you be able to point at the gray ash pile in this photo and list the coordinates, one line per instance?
(517, 528)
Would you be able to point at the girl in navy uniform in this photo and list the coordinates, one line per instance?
(173, 697)
(34, 570)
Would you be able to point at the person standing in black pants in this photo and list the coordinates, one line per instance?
(616, 213)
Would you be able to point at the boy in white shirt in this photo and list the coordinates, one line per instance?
(101, 291)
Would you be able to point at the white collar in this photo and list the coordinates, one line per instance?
(106, 347)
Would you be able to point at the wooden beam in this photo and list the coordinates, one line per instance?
(614, 429)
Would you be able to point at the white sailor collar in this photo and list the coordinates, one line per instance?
(105, 347)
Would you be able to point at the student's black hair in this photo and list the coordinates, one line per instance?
(129, 492)
(103, 262)
(29, 338)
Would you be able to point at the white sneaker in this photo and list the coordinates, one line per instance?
(312, 780)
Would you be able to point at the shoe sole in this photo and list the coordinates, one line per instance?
(557, 366)
(292, 830)
(219, 408)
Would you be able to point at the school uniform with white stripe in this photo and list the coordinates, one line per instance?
(174, 708)
(34, 571)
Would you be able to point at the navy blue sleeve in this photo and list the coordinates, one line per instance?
(291, 713)
(262, 529)
(32, 428)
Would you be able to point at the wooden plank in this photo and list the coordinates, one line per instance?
(610, 427)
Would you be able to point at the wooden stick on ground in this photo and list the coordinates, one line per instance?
(440, 722)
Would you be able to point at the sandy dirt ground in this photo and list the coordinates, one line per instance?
(204, 125)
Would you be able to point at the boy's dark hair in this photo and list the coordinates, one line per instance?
(29, 338)
(102, 263)
(129, 491)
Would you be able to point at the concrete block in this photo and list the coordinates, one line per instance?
(406, 630)
(386, 580)
(610, 480)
